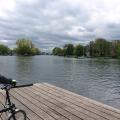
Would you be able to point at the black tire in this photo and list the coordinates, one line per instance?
(18, 115)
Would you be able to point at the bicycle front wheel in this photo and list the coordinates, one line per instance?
(18, 115)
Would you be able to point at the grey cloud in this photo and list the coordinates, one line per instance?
(48, 23)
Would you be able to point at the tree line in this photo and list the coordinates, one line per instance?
(24, 47)
(100, 47)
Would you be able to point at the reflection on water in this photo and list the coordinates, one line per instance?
(24, 67)
(94, 78)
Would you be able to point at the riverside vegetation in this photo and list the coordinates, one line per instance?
(98, 48)
(24, 47)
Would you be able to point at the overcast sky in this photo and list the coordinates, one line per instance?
(50, 23)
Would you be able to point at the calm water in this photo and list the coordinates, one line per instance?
(94, 78)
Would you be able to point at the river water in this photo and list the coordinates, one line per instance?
(98, 79)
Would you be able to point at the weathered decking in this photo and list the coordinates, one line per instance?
(47, 102)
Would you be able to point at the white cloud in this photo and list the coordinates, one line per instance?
(77, 31)
(4, 41)
(6, 5)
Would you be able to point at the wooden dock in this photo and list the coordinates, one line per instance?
(47, 102)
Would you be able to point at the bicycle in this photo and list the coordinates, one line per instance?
(13, 112)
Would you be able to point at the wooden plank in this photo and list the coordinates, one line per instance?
(2, 116)
(109, 108)
(47, 102)
(78, 104)
(19, 105)
(28, 95)
(62, 105)
(92, 103)
(43, 115)
(44, 101)
(79, 109)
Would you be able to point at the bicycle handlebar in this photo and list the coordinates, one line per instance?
(11, 83)
(18, 86)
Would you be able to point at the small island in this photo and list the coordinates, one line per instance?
(24, 47)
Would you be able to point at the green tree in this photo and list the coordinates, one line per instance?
(24, 42)
(101, 48)
(57, 51)
(35, 51)
(118, 51)
(92, 48)
(79, 50)
(4, 50)
(68, 49)
(115, 48)
(26, 47)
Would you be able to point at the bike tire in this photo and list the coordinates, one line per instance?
(18, 115)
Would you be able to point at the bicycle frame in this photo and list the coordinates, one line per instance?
(11, 107)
